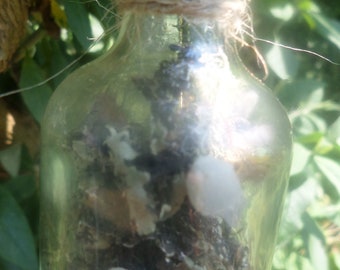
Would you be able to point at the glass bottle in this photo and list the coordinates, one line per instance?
(164, 153)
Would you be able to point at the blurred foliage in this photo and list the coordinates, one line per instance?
(60, 37)
(308, 86)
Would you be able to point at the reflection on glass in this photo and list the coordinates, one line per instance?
(163, 154)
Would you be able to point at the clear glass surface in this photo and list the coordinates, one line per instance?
(163, 154)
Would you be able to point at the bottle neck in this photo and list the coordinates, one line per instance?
(153, 34)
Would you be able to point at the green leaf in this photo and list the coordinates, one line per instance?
(21, 187)
(321, 211)
(17, 243)
(309, 124)
(335, 256)
(285, 12)
(36, 99)
(97, 31)
(58, 63)
(279, 259)
(101, 11)
(283, 62)
(315, 243)
(301, 156)
(327, 27)
(318, 122)
(298, 262)
(296, 204)
(334, 132)
(307, 5)
(310, 138)
(79, 21)
(10, 158)
(301, 93)
(323, 146)
(330, 169)
(6, 265)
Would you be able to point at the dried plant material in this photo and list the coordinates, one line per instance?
(165, 205)
(157, 150)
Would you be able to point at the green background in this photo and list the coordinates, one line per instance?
(307, 85)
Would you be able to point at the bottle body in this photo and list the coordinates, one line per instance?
(160, 155)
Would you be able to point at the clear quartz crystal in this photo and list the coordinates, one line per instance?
(163, 154)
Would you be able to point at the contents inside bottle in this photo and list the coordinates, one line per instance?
(165, 196)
